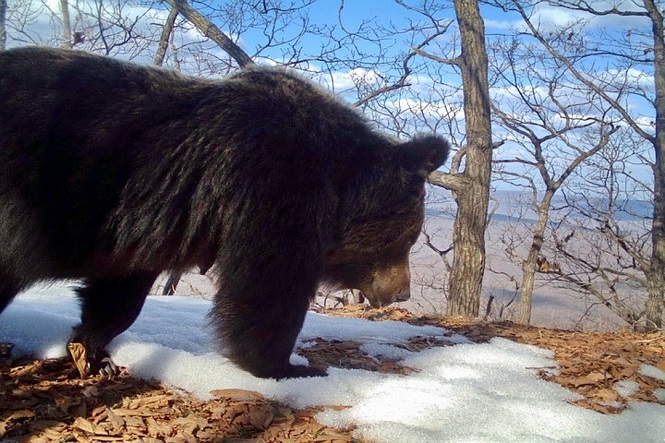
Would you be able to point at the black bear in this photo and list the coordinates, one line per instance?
(114, 172)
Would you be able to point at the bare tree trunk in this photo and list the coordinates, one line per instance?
(211, 31)
(468, 267)
(66, 25)
(3, 29)
(172, 283)
(358, 297)
(656, 288)
(174, 277)
(165, 37)
(530, 263)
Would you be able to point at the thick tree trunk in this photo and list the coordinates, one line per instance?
(656, 280)
(466, 277)
(656, 289)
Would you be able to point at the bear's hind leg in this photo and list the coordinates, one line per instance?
(108, 307)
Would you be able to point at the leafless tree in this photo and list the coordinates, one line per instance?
(604, 238)
(642, 50)
(556, 123)
(470, 183)
(21, 19)
(109, 27)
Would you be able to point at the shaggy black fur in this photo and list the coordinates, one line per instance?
(113, 172)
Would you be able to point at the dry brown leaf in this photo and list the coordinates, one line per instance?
(104, 438)
(260, 417)
(89, 427)
(191, 423)
(331, 439)
(78, 353)
(141, 412)
(48, 426)
(207, 436)
(26, 370)
(129, 420)
(19, 415)
(606, 396)
(237, 394)
(181, 437)
(626, 373)
(64, 403)
(150, 401)
(589, 379)
(115, 420)
(90, 391)
(156, 429)
(243, 440)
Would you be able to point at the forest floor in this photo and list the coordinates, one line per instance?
(44, 401)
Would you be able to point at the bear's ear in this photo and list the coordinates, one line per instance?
(424, 154)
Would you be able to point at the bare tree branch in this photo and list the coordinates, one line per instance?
(210, 30)
(582, 78)
(167, 29)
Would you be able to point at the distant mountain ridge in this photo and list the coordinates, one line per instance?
(512, 206)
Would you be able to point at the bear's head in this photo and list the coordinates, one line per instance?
(371, 252)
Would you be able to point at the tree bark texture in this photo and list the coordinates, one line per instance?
(165, 37)
(207, 28)
(66, 24)
(3, 29)
(656, 288)
(466, 277)
(529, 266)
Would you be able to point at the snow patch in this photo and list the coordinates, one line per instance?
(463, 393)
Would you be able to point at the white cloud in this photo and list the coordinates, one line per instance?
(503, 25)
(549, 18)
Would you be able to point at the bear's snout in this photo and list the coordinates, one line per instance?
(389, 285)
(403, 295)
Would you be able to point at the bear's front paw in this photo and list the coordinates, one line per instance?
(93, 363)
(288, 371)
(298, 371)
